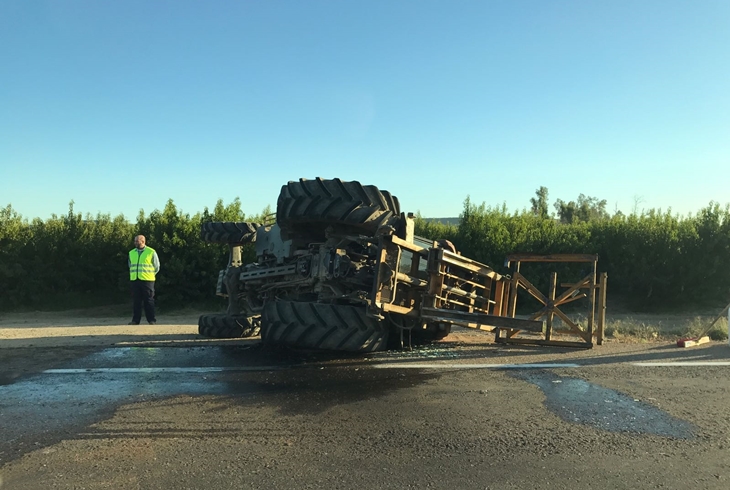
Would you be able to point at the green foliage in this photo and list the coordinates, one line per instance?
(14, 237)
(586, 209)
(186, 262)
(72, 260)
(221, 212)
(660, 259)
(540, 202)
(635, 329)
(69, 256)
(489, 234)
(700, 326)
(435, 230)
(654, 259)
(652, 328)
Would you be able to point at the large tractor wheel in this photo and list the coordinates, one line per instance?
(322, 326)
(222, 326)
(228, 232)
(312, 205)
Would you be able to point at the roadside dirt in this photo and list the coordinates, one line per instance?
(33, 342)
(92, 327)
(107, 326)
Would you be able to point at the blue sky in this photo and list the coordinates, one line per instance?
(124, 105)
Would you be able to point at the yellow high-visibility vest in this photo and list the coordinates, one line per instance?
(141, 266)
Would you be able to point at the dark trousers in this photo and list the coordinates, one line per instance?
(143, 293)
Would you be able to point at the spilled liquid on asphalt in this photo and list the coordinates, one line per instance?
(581, 402)
(44, 404)
(88, 389)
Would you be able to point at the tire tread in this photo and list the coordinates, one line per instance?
(324, 326)
(234, 232)
(308, 204)
(223, 326)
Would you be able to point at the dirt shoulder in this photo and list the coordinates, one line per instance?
(93, 327)
(33, 342)
(108, 326)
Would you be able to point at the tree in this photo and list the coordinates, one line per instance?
(586, 209)
(638, 201)
(565, 210)
(540, 202)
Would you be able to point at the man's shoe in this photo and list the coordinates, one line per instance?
(152, 323)
(133, 323)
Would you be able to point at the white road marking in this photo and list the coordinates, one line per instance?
(682, 363)
(391, 365)
(162, 370)
(453, 365)
(130, 370)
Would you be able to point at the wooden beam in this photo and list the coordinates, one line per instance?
(575, 288)
(571, 299)
(531, 289)
(603, 281)
(538, 314)
(462, 280)
(498, 298)
(456, 301)
(435, 285)
(487, 293)
(573, 327)
(408, 246)
(592, 313)
(570, 285)
(413, 281)
(401, 310)
(471, 265)
(415, 262)
(508, 333)
(465, 318)
(551, 258)
(551, 343)
(514, 287)
(377, 297)
(551, 307)
(505, 298)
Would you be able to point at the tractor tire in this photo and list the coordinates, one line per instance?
(393, 203)
(322, 326)
(222, 326)
(312, 205)
(228, 232)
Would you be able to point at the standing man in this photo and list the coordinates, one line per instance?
(143, 267)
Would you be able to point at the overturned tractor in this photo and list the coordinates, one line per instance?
(342, 270)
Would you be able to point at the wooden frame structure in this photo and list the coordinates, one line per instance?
(594, 282)
(435, 285)
(421, 285)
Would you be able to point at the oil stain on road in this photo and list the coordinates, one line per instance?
(52, 405)
(578, 401)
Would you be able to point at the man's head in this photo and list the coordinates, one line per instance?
(139, 241)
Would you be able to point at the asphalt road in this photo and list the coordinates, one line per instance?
(462, 414)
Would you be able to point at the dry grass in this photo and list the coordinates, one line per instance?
(640, 327)
(664, 327)
(620, 325)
